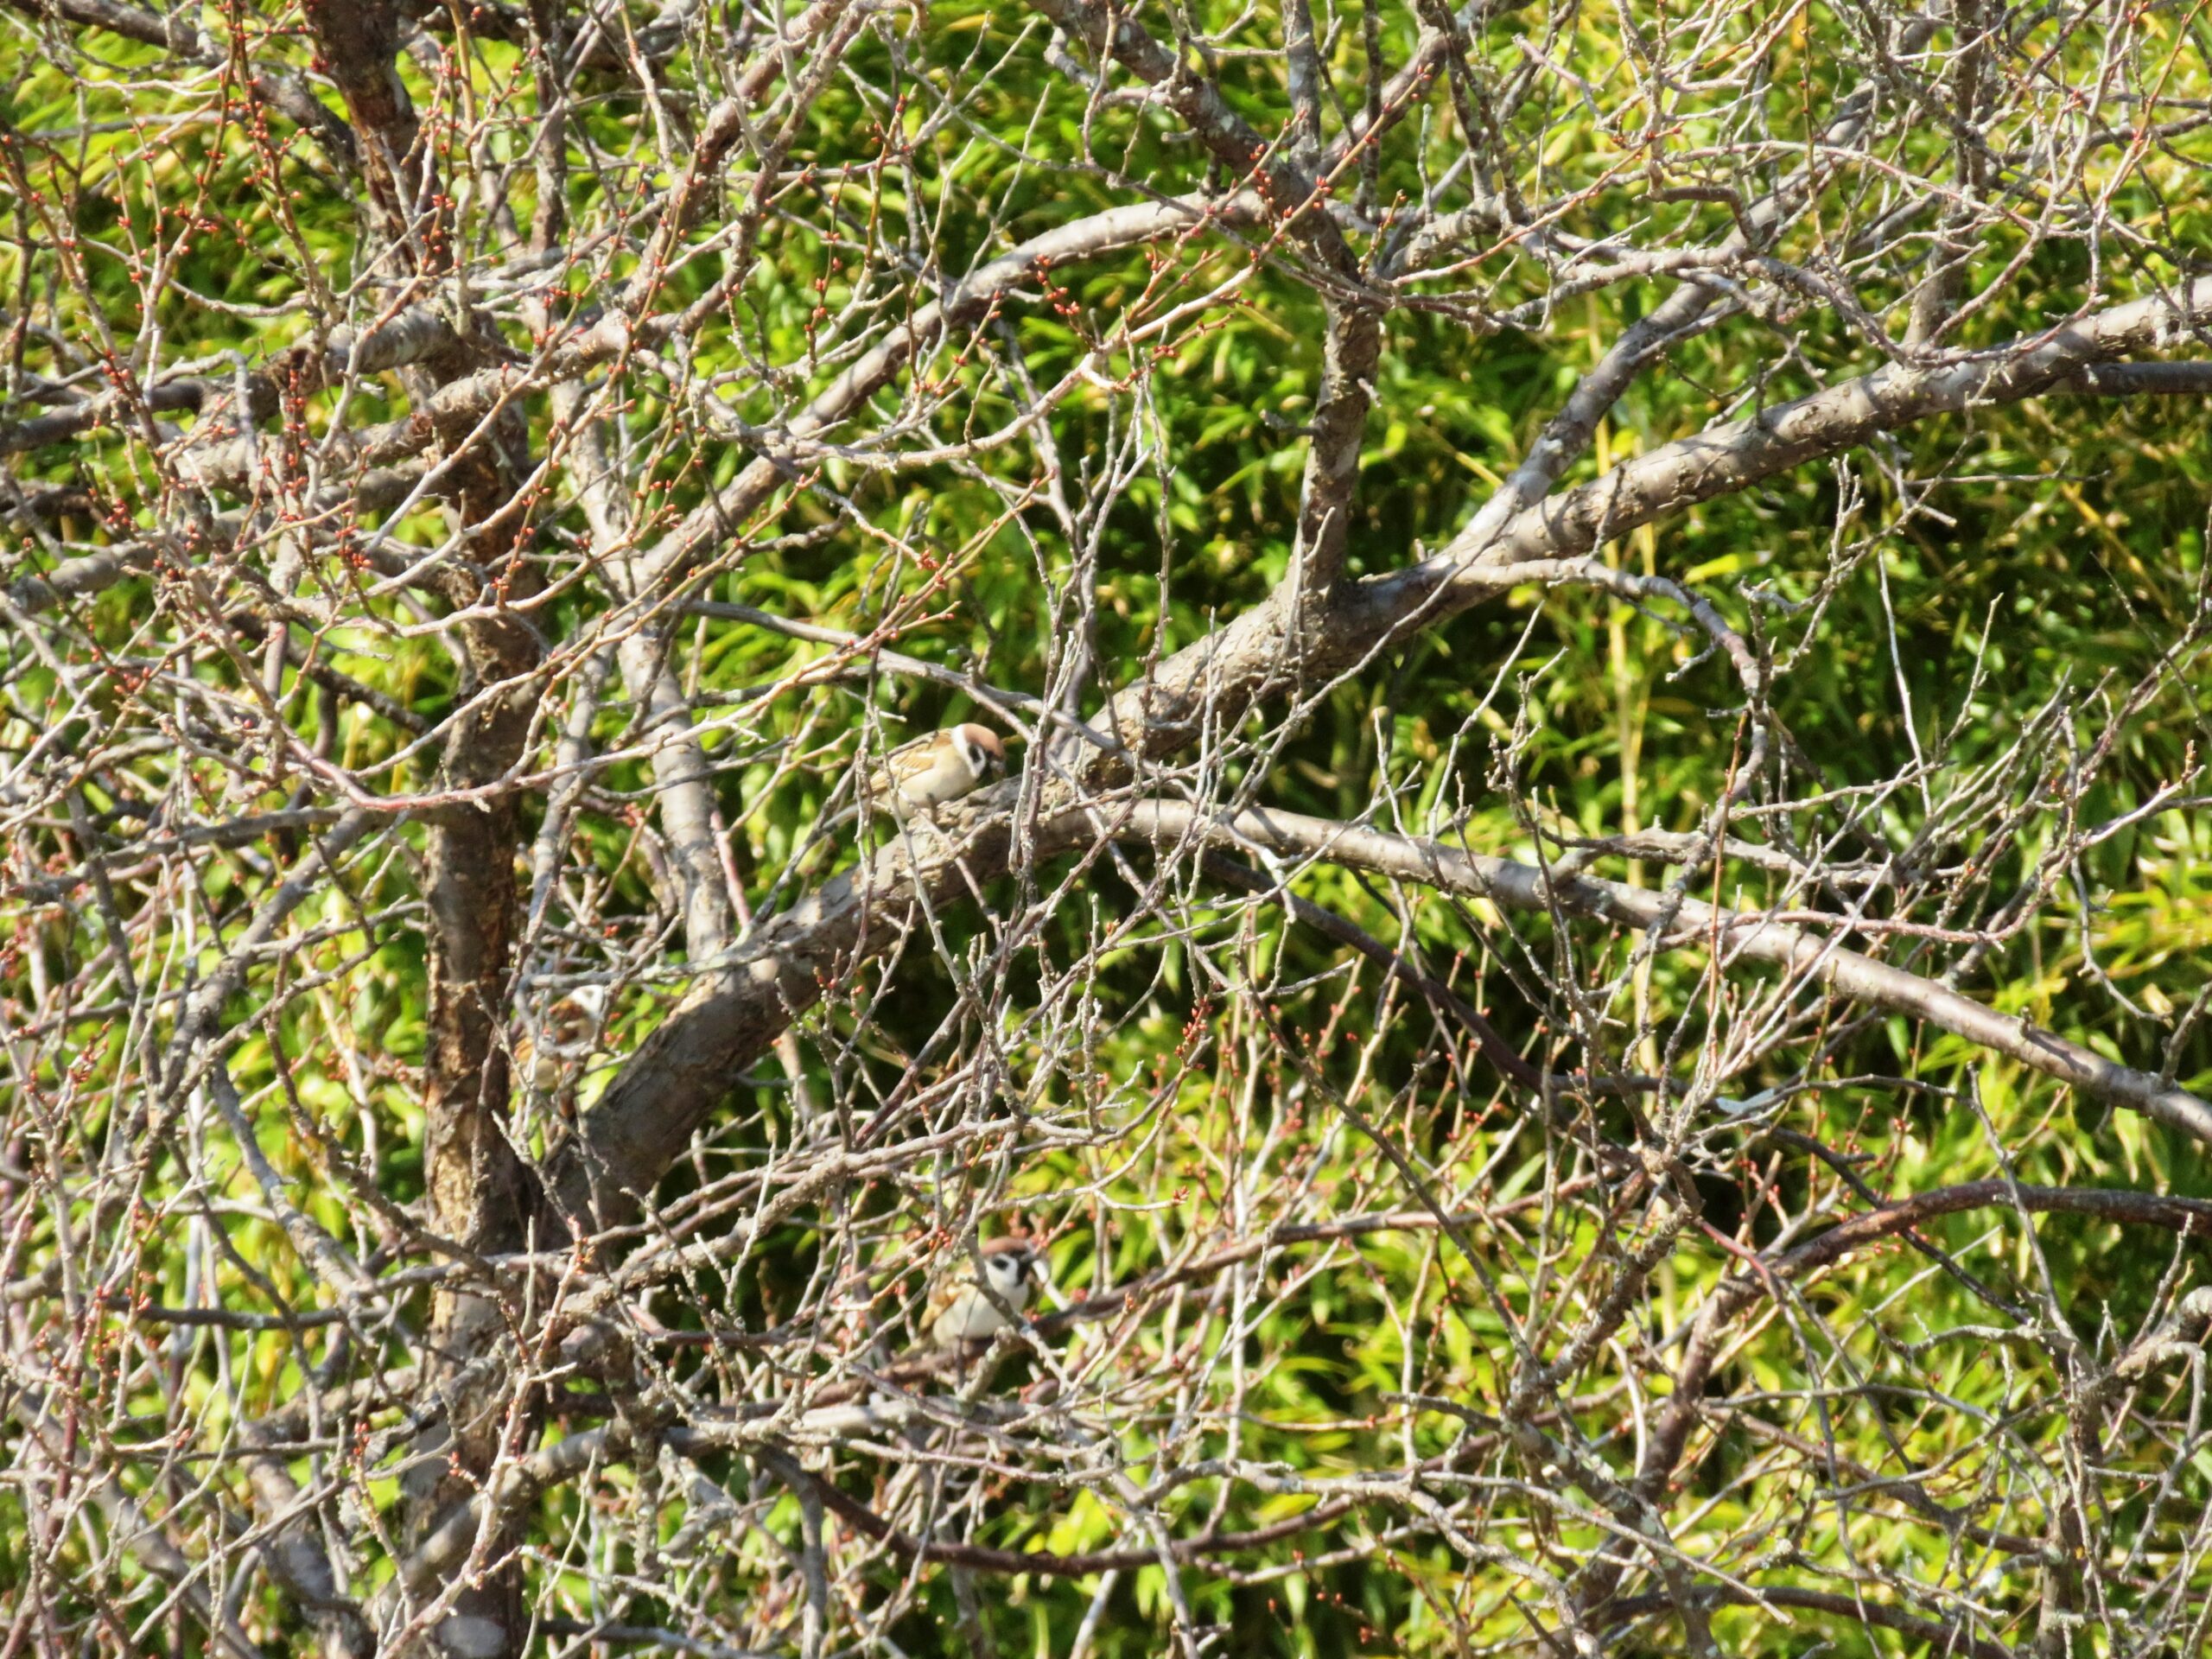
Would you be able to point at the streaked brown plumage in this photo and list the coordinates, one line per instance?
(932, 770)
(962, 1312)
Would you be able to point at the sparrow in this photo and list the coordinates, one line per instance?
(968, 1309)
(567, 1032)
(932, 770)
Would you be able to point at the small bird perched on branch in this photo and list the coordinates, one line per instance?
(940, 767)
(967, 1309)
(565, 1033)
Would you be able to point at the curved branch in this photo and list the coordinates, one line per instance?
(1523, 886)
(2191, 1218)
(1723, 460)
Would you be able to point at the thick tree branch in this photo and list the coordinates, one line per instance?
(649, 1113)
(1726, 458)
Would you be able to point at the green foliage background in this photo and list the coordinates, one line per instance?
(2057, 552)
